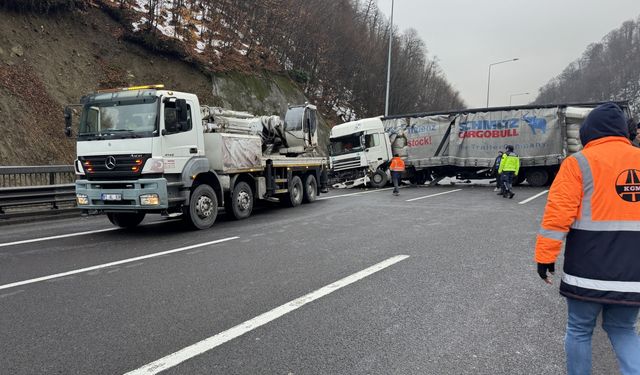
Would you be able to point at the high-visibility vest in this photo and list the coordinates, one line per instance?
(397, 165)
(510, 163)
(594, 203)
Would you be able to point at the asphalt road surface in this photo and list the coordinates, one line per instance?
(439, 280)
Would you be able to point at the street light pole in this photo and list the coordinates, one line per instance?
(512, 95)
(489, 79)
(386, 101)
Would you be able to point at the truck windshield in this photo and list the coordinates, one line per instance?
(119, 119)
(293, 119)
(346, 144)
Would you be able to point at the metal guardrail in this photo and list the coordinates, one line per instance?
(36, 190)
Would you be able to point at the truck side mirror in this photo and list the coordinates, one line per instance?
(68, 114)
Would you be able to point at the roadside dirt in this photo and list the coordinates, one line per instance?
(49, 61)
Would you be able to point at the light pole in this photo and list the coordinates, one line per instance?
(489, 79)
(512, 95)
(386, 101)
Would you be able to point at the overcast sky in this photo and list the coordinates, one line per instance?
(546, 35)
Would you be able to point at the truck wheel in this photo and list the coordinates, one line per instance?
(241, 201)
(379, 179)
(294, 197)
(519, 180)
(126, 220)
(310, 189)
(203, 207)
(419, 178)
(538, 177)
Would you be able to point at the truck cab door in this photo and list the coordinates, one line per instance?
(375, 149)
(180, 138)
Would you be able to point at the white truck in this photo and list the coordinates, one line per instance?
(461, 144)
(147, 150)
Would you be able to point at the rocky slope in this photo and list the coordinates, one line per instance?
(47, 61)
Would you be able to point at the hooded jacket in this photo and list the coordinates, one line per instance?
(594, 204)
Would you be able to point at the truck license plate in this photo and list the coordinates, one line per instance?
(112, 197)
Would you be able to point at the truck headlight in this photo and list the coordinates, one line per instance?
(153, 165)
(149, 200)
(82, 199)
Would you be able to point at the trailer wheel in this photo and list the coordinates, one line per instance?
(310, 189)
(203, 207)
(379, 179)
(241, 201)
(293, 198)
(126, 220)
(418, 178)
(538, 177)
(519, 180)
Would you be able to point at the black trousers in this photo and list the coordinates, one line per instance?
(395, 176)
(507, 181)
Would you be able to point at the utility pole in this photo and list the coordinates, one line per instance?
(386, 102)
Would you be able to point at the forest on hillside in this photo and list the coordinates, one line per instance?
(336, 50)
(607, 70)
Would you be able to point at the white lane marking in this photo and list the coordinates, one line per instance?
(205, 345)
(72, 235)
(534, 197)
(358, 193)
(56, 237)
(433, 195)
(105, 265)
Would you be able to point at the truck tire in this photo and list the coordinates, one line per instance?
(379, 179)
(519, 179)
(538, 177)
(310, 189)
(293, 197)
(203, 207)
(126, 220)
(241, 201)
(419, 178)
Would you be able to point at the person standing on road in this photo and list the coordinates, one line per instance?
(509, 168)
(594, 203)
(496, 167)
(396, 167)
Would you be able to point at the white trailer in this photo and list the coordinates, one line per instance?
(461, 144)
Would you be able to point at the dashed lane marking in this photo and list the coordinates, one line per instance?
(205, 345)
(433, 195)
(105, 265)
(71, 235)
(352, 194)
(534, 197)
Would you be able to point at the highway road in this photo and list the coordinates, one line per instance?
(439, 280)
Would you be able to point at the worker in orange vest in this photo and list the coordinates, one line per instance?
(396, 167)
(594, 204)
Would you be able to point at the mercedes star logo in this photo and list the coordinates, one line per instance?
(110, 163)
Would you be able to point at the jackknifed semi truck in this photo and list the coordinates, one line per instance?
(462, 144)
(144, 149)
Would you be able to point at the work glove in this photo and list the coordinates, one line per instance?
(543, 268)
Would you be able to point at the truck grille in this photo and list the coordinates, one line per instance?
(109, 167)
(343, 164)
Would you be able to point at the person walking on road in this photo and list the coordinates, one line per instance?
(496, 167)
(509, 168)
(396, 167)
(594, 204)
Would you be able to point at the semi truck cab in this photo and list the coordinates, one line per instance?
(359, 152)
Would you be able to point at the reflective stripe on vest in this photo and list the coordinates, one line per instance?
(552, 234)
(604, 285)
(586, 221)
